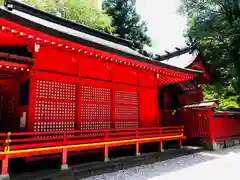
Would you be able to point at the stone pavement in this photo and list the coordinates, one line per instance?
(221, 165)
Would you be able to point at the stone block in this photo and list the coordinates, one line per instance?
(5, 177)
(106, 159)
(218, 145)
(213, 146)
(64, 167)
(138, 154)
(236, 142)
(230, 143)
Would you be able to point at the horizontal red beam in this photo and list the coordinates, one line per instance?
(28, 140)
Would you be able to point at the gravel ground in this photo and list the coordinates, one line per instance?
(221, 165)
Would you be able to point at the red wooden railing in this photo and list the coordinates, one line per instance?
(15, 145)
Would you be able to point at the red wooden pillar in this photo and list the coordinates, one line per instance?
(159, 123)
(64, 154)
(106, 158)
(4, 169)
(180, 143)
(211, 126)
(137, 144)
(161, 142)
(32, 100)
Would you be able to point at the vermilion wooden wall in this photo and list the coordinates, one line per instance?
(69, 91)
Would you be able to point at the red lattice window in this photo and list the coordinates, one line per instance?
(55, 111)
(55, 90)
(55, 106)
(127, 114)
(53, 126)
(95, 108)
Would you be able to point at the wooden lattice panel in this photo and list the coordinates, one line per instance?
(95, 108)
(50, 110)
(55, 90)
(128, 98)
(53, 126)
(127, 114)
(55, 106)
(92, 94)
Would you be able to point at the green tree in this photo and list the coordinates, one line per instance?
(214, 26)
(127, 22)
(1, 2)
(81, 11)
(227, 99)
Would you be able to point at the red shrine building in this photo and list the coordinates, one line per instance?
(177, 95)
(58, 75)
(65, 88)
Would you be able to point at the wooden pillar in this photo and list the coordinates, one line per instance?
(137, 145)
(32, 100)
(106, 158)
(137, 149)
(161, 142)
(211, 126)
(180, 143)
(161, 146)
(4, 170)
(64, 154)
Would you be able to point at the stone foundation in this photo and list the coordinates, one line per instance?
(230, 143)
(214, 146)
(5, 177)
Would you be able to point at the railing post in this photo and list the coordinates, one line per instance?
(64, 165)
(137, 144)
(180, 139)
(180, 143)
(161, 142)
(106, 159)
(4, 170)
(211, 128)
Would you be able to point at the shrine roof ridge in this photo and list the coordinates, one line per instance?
(44, 22)
(177, 52)
(180, 57)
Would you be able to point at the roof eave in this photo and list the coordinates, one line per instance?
(12, 17)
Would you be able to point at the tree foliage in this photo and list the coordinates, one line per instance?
(81, 11)
(214, 26)
(227, 99)
(127, 22)
(119, 18)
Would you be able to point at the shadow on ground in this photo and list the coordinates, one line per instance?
(160, 169)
